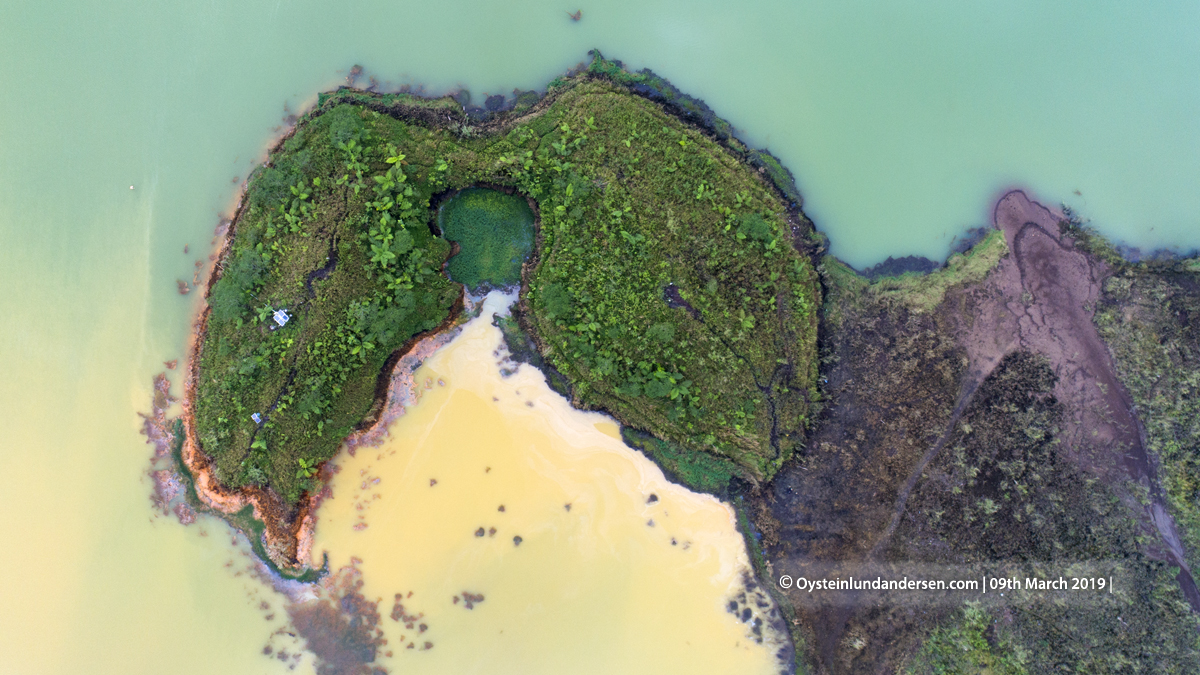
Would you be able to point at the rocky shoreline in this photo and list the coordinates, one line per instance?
(288, 532)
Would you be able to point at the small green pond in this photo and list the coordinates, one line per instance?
(494, 232)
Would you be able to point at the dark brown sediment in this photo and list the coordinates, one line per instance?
(1066, 284)
(340, 626)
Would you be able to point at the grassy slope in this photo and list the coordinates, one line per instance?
(919, 293)
(631, 200)
(923, 292)
(962, 646)
(1151, 322)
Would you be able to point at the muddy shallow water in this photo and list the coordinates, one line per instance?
(503, 529)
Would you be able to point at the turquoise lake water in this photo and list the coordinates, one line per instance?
(902, 122)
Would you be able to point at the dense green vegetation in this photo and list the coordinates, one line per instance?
(336, 234)
(700, 471)
(666, 289)
(963, 646)
(495, 232)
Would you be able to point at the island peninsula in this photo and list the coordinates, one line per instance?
(670, 284)
(673, 281)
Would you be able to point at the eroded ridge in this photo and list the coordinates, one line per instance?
(982, 431)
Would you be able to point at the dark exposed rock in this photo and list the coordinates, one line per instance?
(494, 103)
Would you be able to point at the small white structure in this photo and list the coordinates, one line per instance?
(257, 418)
(281, 316)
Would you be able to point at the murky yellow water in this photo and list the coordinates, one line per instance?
(616, 570)
(94, 580)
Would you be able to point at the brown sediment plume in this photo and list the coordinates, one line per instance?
(185, 513)
(340, 626)
(169, 488)
(470, 599)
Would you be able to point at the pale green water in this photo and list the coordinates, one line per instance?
(901, 123)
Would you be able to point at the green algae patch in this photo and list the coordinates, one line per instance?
(495, 233)
(667, 279)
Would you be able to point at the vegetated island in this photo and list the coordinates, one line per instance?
(1024, 408)
(669, 285)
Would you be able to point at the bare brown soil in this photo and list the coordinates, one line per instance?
(1103, 427)
(899, 383)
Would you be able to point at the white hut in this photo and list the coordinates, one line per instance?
(281, 316)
